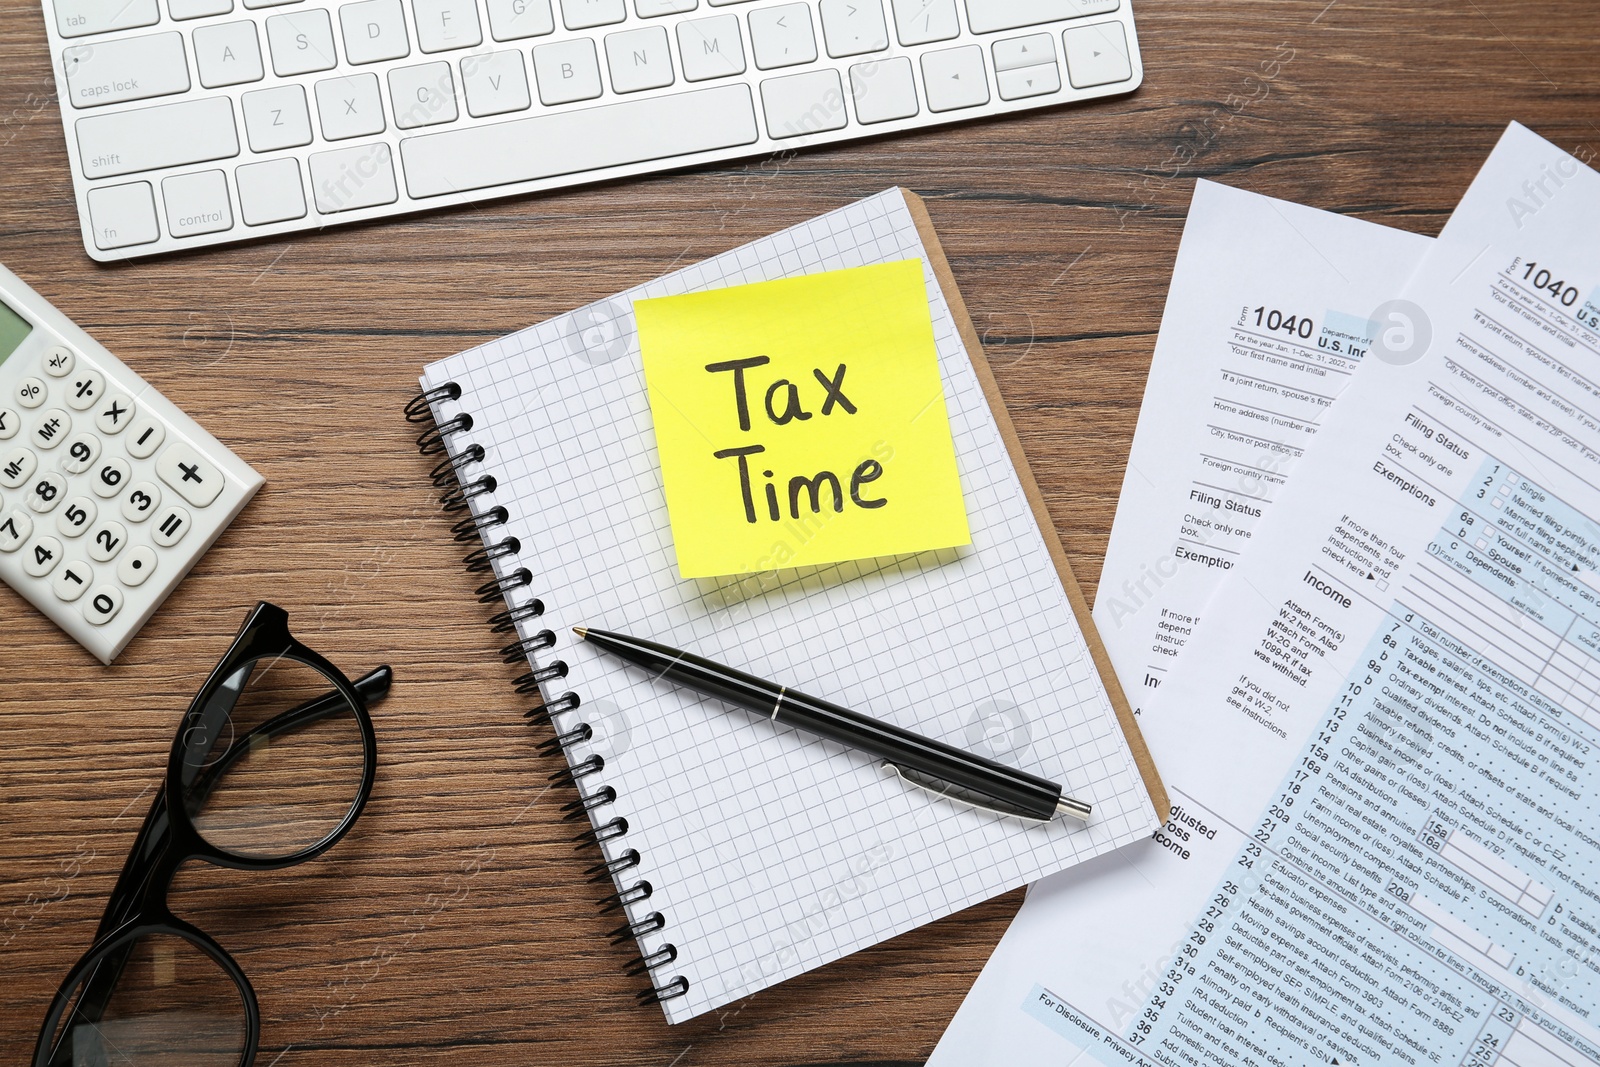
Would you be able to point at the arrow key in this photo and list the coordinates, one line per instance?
(955, 78)
(1097, 55)
(1022, 82)
(1026, 51)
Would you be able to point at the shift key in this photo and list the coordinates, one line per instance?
(171, 135)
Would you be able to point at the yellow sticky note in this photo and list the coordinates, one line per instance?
(801, 421)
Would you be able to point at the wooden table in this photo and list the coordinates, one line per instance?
(453, 926)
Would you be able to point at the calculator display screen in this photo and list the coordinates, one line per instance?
(13, 328)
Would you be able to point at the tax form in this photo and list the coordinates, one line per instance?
(1266, 321)
(1384, 755)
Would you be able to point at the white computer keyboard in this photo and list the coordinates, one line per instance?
(198, 122)
(108, 493)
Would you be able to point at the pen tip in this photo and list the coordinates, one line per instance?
(581, 631)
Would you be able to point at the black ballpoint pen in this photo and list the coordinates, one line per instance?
(910, 755)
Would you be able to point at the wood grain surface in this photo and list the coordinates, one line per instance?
(453, 925)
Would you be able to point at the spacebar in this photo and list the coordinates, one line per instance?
(568, 142)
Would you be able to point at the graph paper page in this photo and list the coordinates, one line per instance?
(769, 853)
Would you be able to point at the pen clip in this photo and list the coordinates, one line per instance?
(947, 791)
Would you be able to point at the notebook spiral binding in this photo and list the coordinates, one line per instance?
(460, 491)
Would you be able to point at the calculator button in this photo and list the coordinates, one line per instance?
(30, 392)
(15, 527)
(10, 423)
(82, 450)
(58, 361)
(145, 437)
(171, 527)
(103, 604)
(48, 491)
(109, 477)
(136, 566)
(70, 581)
(52, 428)
(76, 516)
(115, 414)
(84, 389)
(187, 471)
(141, 501)
(16, 467)
(106, 540)
(40, 556)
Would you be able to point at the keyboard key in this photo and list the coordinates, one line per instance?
(51, 429)
(268, 192)
(652, 9)
(106, 540)
(49, 490)
(84, 388)
(109, 478)
(853, 27)
(352, 178)
(710, 48)
(170, 527)
(77, 516)
(423, 95)
(1024, 51)
(986, 16)
(102, 604)
(138, 565)
(802, 104)
(954, 78)
(228, 54)
(924, 21)
(141, 501)
(446, 24)
(72, 580)
(193, 9)
(350, 107)
(374, 31)
(542, 146)
(81, 452)
(168, 135)
(197, 203)
(251, 5)
(301, 42)
(123, 215)
(40, 556)
(16, 526)
(566, 71)
(147, 434)
(582, 14)
(276, 118)
(781, 36)
(76, 18)
(494, 84)
(1097, 55)
(1022, 82)
(639, 59)
(117, 410)
(133, 68)
(884, 90)
(513, 20)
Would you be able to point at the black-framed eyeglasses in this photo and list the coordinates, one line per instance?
(271, 766)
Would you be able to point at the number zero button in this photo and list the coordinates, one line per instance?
(103, 604)
(70, 582)
(109, 477)
(136, 566)
(187, 471)
(171, 527)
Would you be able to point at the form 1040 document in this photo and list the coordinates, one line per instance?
(1384, 746)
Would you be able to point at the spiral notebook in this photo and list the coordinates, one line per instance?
(738, 854)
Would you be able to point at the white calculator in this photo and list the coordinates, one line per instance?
(108, 493)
